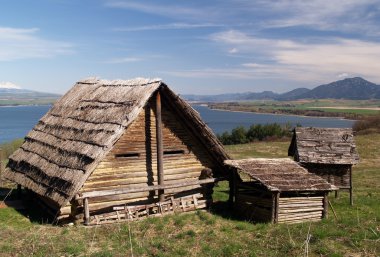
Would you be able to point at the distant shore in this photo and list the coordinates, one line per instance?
(270, 113)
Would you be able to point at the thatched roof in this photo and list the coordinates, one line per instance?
(324, 145)
(66, 145)
(280, 174)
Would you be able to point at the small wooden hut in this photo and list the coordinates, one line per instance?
(278, 191)
(327, 152)
(116, 150)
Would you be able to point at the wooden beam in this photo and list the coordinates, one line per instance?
(160, 150)
(232, 185)
(144, 189)
(86, 211)
(325, 206)
(351, 188)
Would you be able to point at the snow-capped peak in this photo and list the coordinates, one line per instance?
(9, 85)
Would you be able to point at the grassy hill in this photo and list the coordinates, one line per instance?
(356, 231)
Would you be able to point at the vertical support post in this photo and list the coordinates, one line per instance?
(325, 206)
(351, 188)
(19, 192)
(232, 185)
(336, 193)
(86, 211)
(1, 165)
(275, 206)
(160, 164)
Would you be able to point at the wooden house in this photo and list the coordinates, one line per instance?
(327, 152)
(278, 191)
(115, 150)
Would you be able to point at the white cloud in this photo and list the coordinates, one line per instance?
(170, 26)
(162, 9)
(18, 43)
(343, 75)
(233, 50)
(347, 16)
(295, 61)
(124, 60)
(9, 85)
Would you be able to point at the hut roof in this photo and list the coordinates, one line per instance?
(62, 150)
(324, 145)
(281, 174)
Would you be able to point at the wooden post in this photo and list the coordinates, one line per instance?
(160, 151)
(86, 211)
(275, 206)
(19, 192)
(1, 165)
(232, 185)
(325, 206)
(336, 193)
(351, 188)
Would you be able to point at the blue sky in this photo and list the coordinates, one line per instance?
(201, 47)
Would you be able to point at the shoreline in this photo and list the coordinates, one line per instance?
(25, 105)
(283, 114)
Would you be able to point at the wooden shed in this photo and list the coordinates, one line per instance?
(116, 150)
(278, 191)
(327, 152)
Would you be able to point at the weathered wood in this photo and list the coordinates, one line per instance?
(351, 189)
(301, 210)
(160, 150)
(86, 211)
(143, 189)
(325, 206)
(277, 206)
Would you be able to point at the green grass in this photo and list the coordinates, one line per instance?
(304, 107)
(356, 232)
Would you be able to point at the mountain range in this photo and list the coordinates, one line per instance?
(350, 88)
(17, 93)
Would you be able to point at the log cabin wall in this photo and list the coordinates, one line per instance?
(338, 175)
(133, 162)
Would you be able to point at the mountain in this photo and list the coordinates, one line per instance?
(14, 93)
(293, 94)
(231, 97)
(351, 88)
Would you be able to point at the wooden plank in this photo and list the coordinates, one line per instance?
(86, 211)
(160, 150)
(301, 210)
(143, 189)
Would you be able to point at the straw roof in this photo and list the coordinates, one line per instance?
(324, 145)
(280, 174)
(62, 150)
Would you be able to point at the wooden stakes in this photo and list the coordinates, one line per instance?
(86, 211)
(160, 151)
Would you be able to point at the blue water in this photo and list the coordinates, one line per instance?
(15, 122)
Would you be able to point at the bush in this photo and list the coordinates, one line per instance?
(259, 132)
(368, 124)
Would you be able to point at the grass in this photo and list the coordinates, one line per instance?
(309, 107)
(356, 232)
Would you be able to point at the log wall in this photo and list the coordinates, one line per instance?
(338, 175)
(300, 209)
(133, 162)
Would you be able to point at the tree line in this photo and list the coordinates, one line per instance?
(258, 132)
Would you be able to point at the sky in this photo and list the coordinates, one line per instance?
(197, 47)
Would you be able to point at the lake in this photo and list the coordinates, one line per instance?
(15, 122)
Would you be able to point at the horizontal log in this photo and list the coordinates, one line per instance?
(301, 214)
(300, 221)
(300, 210)
(142, 189)
(287, 206)
(301, 198)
